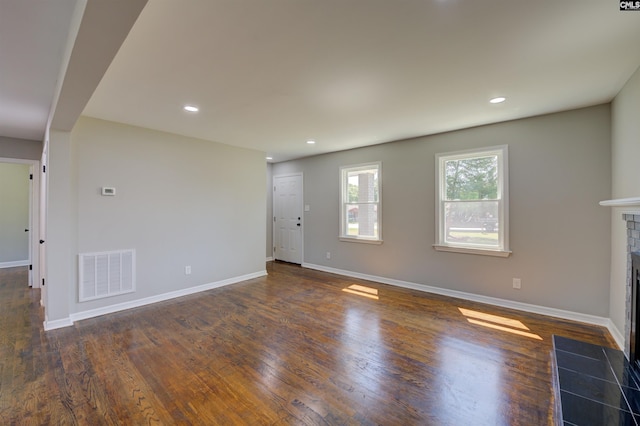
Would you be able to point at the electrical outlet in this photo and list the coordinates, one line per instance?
(328, 255)
(517, 283)
(187, 270)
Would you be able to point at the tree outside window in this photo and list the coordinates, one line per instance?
(471, 205)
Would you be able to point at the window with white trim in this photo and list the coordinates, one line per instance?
(472, 201)
(360, 203)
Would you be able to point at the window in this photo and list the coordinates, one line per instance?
(472, 202)
(360, 203)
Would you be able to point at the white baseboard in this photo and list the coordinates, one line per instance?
(61, 323)
(92, 313)
(270, 259)
(536, 309)
(14, 264)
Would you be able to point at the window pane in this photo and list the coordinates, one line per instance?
(362, 186)
(362, 220)
(474, 223)
(361, 197)
(472, 178)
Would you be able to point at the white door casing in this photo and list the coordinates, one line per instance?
(43, 226)
(287, 218)
(30, 230)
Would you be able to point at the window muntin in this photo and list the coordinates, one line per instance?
(472, 201)
(360, 206)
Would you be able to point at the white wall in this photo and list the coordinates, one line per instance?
(560, 236)
(179, 201)
(14, 212)
(625, 157)
(61, 230)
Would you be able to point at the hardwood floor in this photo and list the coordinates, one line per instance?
(290, 348)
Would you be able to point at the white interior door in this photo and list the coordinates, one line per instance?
(287, 218)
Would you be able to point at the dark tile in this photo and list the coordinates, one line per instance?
(581, 364)
(616, 357)
(578, 347)
(592, 388)
(621, 368)
(584, 412)
(628, 379)
(633, 397)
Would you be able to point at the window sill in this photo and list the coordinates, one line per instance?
(467, 250)
(359, 240)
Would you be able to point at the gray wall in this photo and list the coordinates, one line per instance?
(14, 212)
(625, 148)
(560, 237)
(179, 201)
(23, 149)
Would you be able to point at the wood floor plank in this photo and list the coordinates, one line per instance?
(290, 348)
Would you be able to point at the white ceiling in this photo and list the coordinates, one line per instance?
(270, 75)
(33, 38)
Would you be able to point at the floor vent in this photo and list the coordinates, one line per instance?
(106, 274)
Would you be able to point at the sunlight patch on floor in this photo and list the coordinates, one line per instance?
(361, 290)
(498, 323)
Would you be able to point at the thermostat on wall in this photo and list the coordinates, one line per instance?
(107, 190)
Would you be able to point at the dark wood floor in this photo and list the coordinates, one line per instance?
(290, 348)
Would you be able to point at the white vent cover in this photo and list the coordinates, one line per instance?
(106, 274)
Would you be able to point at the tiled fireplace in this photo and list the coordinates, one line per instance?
(633, 246)
(597, 385)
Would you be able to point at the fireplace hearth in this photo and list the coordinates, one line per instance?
(594, 385)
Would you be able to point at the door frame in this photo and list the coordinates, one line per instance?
(34, 215)
(42, 197)
(273, 213)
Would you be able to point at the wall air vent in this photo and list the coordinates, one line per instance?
(106, 274)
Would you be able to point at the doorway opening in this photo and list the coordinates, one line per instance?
(19, 224)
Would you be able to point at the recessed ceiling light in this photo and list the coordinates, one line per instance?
(498, 100)
(269, 158)
(311, 142)
(191, 108)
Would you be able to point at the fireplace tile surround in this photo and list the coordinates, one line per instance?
(633, 245)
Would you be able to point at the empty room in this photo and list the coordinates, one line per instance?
(319, 212)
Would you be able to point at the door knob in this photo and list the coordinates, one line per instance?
(41, 241)
(297, 224)
(26, 230)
